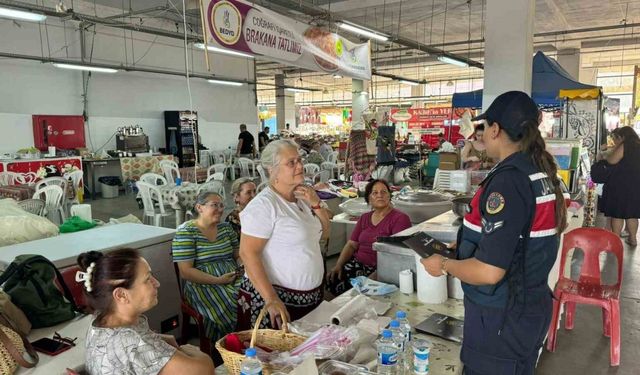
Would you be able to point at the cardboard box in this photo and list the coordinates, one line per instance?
(449, 161)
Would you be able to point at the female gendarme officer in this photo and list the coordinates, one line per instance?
(508, 244)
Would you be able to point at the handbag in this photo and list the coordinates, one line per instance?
(12, 348)
(11, 316)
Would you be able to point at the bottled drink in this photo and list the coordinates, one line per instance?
(398, 337)
(251, 365)
(405, 328)
(387, 354)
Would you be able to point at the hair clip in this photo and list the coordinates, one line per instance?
(85, 277)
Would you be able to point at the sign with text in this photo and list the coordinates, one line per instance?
(430, 123)
(248, 28)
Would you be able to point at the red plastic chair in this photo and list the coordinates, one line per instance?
(187, 313)
(76, 288)
(588, 289)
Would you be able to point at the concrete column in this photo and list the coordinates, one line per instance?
(508, 53)
(285, 106)
(569, 59)
(359, 102)
(418, 91)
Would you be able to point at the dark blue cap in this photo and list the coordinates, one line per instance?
(511, 110)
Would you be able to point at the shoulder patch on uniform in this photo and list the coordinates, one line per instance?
(495, 203)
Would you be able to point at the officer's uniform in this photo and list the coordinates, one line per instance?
(511, 226)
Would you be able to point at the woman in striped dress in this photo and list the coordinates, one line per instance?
(206, 251)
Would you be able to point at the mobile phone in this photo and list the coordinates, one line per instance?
(49, 346)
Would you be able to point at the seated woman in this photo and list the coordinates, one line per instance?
(357, 257)
(120, 287)
(243, 190)
(205, 250)
(474, 153)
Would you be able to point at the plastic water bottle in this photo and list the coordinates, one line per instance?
(421, 351)
(387, 354)
(399, 338)
(405, 328)
(251, 365)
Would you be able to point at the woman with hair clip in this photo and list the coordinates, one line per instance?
(508, 244)
(120, 287)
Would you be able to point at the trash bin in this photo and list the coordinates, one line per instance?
(110, 186)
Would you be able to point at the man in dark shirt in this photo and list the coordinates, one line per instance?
(263, 138)
(246, 144)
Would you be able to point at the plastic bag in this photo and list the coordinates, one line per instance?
(370, 287)
(76, 224)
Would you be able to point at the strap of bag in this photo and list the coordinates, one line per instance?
(61, 282)
(13, 267)
(15, 353)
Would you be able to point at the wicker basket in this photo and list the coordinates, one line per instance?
(271, 338)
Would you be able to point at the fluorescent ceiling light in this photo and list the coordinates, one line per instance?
(85, 68)
(21, 15)
(226, 83)
(452, 61)
(362, 31)
(222, 50)
(410, 83)
(297, 90)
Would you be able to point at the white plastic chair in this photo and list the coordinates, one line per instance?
(217, 168)
(218, 158)
(331, 167)
(170, 169)
(58, 181)
(262, 186)
(311, 169)
(148, 193)
(333, 157)
(34, 206)
(321, 176)
(53, 195)
(247, 167)
(76, 180)
(383, 173)
(214, 186)
(153, 179)
(11, 178)
(215, 177)
(262, 173)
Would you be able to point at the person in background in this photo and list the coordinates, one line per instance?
(474, 153)
(263, 138)
(246, 144)
(280, 242)
(205, 250)
(120, 288)
(314, 156)
(621, 201)
(357, 257)
(325, 149)
(508, 244)
(243, 191)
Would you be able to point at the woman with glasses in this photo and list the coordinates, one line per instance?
(243, 190)
(205, 250)
(280, 242)
(357, 257)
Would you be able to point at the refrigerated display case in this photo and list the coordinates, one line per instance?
(181, 131)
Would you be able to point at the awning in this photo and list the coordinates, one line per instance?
(580, 93)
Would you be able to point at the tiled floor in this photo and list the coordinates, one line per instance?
(582, 351)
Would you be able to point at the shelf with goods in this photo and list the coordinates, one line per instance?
(568, 156)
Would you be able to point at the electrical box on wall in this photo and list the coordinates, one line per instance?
(63, 132)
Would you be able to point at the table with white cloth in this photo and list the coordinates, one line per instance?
(179, 198)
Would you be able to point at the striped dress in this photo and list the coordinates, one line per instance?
(216, 303)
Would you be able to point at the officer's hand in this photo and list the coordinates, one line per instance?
(433, 265)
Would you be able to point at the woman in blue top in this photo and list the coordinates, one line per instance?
(206, 251)
(508, 244)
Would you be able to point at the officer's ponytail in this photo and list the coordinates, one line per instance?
(533, 144)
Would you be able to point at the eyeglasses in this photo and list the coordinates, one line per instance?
(66, 340)
(292, 163)
(218, 205)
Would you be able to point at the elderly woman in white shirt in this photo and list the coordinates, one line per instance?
(280, 242)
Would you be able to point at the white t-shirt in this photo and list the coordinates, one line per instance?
(291, 256)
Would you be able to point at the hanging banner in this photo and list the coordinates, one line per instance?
(248, 28)
(635, 103)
